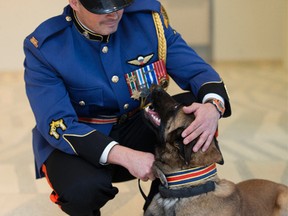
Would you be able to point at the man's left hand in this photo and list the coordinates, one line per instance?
(204, 126)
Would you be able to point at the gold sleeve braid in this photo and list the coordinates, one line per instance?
(162, 46)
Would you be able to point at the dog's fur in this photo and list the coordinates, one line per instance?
(249, 198)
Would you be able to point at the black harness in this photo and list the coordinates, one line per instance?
(187, 191)
(182, 192)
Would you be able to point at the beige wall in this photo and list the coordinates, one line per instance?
(18, 19)
(190, 18)
(285, 55)
(249, 30)
(243, 29)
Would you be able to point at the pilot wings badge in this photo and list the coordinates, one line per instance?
(141, 60)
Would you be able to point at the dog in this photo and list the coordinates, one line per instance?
(190, 184)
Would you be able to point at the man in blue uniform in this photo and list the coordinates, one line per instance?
(87, 74)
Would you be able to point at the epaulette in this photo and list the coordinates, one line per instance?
(49, 28)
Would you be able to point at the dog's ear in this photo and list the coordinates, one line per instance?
(211, 155)
(221, 161)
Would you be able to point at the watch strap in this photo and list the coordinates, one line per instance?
(219, 105)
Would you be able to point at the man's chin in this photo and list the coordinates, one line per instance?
(109, 29)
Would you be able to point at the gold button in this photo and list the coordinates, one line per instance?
(105, 49)
(68, 18)
(115, 79)
(126, 106)
(82, 103)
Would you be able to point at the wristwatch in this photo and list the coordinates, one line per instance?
(218, 105)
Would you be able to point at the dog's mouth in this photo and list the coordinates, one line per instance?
(161, 107)
(152, 115)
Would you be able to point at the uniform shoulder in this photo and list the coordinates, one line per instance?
(147, 5)
(50, 27)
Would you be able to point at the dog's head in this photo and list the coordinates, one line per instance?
(168, 119)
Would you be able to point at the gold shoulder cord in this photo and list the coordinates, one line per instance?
(162, 47)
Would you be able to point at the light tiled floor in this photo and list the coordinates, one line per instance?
(253, 141)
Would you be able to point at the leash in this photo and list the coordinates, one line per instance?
(141, 190)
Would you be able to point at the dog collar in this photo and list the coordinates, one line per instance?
(188, 176)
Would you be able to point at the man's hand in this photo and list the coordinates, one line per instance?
(138, 163)
(204, 126)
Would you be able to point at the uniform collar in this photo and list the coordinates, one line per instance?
(87, 32)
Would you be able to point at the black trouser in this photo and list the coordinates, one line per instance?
(81, 188)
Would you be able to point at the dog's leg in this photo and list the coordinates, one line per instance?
(155, 209)
(169, 206)
(161, 207)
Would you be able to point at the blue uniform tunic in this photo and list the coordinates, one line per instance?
(71, 72)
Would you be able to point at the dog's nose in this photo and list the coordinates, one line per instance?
(152, 87)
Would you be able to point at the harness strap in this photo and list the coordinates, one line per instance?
(187, 191)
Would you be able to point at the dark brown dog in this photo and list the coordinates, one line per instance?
(190, 185)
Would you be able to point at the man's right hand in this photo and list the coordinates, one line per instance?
(138, 163)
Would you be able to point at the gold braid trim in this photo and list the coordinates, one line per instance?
(162, 46)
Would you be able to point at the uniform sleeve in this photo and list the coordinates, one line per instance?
(55, 117)
(189, 70)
